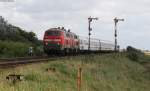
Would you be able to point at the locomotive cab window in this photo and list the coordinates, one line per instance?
(53, 33)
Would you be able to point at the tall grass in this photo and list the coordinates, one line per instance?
(109, 72)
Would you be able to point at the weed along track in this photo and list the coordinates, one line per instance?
(14, 62)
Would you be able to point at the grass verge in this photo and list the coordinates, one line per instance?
(109, 72)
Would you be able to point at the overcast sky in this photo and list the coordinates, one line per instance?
(40, 15)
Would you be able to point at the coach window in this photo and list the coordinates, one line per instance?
(75, 37)
(67, 35)
(64, 34)
(81, 41)
(71, 36)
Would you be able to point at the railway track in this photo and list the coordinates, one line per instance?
(13, 62)
(21, 58)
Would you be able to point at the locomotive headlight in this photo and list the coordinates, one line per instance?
(58, 43)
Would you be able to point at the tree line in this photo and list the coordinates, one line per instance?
(13, 33)
(14, 41)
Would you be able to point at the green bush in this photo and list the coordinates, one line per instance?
(134, 54)
(18, 49)
(38, 50)
(13, 49)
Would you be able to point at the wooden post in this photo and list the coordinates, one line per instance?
(79, 79)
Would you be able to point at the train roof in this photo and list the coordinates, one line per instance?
(61, 29)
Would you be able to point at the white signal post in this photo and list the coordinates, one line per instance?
(90, 29)
(116, 20)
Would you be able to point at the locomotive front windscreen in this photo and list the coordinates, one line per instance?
(53, 33)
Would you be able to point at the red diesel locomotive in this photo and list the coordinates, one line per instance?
(60, 41)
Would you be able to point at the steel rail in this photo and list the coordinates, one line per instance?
(21, 61)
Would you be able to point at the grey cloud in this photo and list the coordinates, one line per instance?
(39, 15)
(56, 6)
